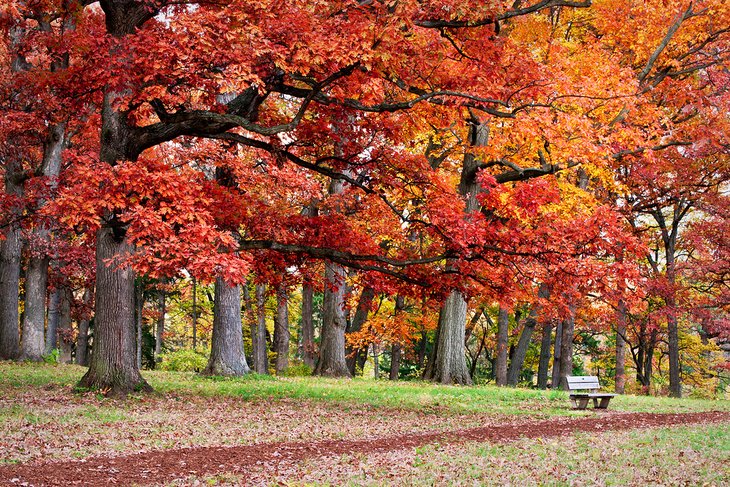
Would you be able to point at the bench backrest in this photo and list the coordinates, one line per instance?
(582, 382)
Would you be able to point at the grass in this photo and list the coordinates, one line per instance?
(420, 396)
(696, 455)
(42, 419)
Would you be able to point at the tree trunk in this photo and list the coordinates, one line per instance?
(36, 276)
(332, 361)
(139, 307)
(54, 315)
(82, 342)
(448, 360)
(65, 331)
(520, 351)
(258, 333)
(566, 346)
(160, 328)
(620, 347)
(308, 348)
(376, 361)
(281, 330)
(449, 364)
(354, 356)
(34, 319)
(10, 250)
(395, 359)
(545, 350)
(195, 313)
(500, 364)
(226, 353)
(557, 353)
(113, 365)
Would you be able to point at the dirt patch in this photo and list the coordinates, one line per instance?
(160, 466)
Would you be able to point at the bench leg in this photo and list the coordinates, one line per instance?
(579, 402)
(604, 403)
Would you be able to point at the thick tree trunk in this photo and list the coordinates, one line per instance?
(82, 342)
(258, 333)
(545, 352)
(566, 352)
(10, 250)
(500, 363)
(620, 347)
(308, 348)
(36, 276)
(226, 353)
(449, 364)
(54, 315)
(65, 331)
(34, 319)
(520, 351)
(139, 308)
(354, 356)
(448, 360)
(281, 330)
(113, 365)
(332, 361)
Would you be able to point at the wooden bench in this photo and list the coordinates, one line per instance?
(589, 383)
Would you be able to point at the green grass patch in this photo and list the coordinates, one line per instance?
(421, 396)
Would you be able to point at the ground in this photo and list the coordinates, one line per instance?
(303, 431)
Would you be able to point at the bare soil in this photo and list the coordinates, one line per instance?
(166, 465)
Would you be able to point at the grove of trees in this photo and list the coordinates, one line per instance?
(506, 191)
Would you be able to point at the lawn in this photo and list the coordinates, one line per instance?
(43, 417)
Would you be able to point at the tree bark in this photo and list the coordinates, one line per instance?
(258, 333)
(557, 353)
(226, 353)
(500, 363)
(620, 347)
(354, 356)
(34, 319)
(139, 308)
(545, 352)
(160, 328)
(566, 352)
(65, 331)
(82, 342)
(448, 360)
(10, 252)
(308, 347)
(281, 330)
(332, 361)
(113, 365)
(54, 315)
(36, 276)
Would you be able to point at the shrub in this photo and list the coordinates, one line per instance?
(184, 360)
(297, 370)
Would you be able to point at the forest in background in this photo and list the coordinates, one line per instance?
(509, 192)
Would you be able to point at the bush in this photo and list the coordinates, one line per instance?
(53, 357)
(297, 370)
(184, 360)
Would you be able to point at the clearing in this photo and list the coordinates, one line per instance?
(302, 431)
